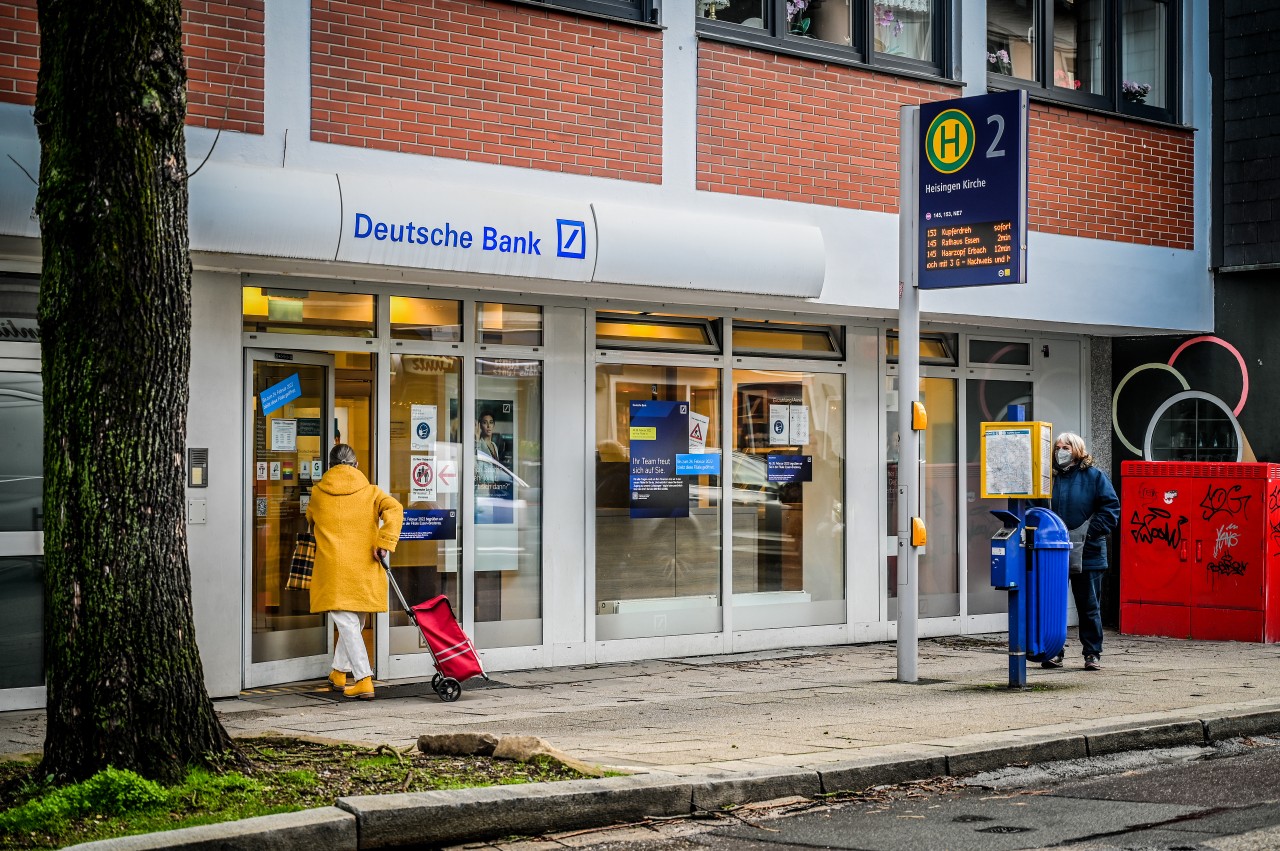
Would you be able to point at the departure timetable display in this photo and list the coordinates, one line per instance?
(969, 246)
(971, 195)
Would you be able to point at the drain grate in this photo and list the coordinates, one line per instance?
(1005, 828)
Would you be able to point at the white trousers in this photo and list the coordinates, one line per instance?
(350, 655)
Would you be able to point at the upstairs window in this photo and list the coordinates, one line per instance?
(902, 34)
(631, 10)
(1116, 55)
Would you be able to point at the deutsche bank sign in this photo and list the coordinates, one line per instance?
(450, 228)
(972, 194)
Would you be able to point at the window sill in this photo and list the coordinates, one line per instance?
(1040, 95)
(832, 54)
(585, 13)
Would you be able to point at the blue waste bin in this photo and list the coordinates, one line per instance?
(1048, 577)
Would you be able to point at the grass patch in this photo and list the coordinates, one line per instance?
(283, 775)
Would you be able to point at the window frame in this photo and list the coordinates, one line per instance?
(1112, 100)
(645, 12)
(774, 37)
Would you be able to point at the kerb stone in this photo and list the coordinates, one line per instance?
(1249, 724)
(863, 774)
(975, 760)
(326, 827)
(1144, 737)
(715, 793)
(527, 809)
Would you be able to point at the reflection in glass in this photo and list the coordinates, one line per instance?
(904, 28)
(1195, 429)
(282, 311)
(21, 622)
(21, 463)
(986, 400)
(749, 13)
(1011, 38)
(508, 502)
(283, 441)
(1077, 46)
(508, 324)
(788, 536)
(982, 352)
(655, 575)
(939, 573)
(425, 393)
(435, 319)
(1144, 60)
(825, 20)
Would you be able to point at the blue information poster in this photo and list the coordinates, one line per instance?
(659, 433)
(277, 396)
(789, 468)
(433, 524)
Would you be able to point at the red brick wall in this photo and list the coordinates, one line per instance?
(222, 41)
(488, 82)
(1102, 177)
(773, 126)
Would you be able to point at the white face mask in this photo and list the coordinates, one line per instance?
(1062, 456)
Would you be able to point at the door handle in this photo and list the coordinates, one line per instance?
(1182, 552)
(1199, 557)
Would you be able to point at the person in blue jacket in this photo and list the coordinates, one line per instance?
(1087, 503)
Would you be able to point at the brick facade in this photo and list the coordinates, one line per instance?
(773, 126)
(222, 42)
(1103, 177)
(489, 82)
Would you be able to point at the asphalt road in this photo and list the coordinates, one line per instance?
(1177, 800)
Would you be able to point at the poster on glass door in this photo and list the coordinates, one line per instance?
(659, 431)
(495, 478)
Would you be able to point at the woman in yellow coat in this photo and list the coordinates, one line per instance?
(355, 524)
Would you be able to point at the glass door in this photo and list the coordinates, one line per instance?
(291, 423)
(939, 574)
(21, 535)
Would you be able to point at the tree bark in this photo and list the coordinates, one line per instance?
(125, 683)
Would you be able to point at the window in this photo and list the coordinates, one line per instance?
(1118, 55)
(283, 311)
(656, 333)
(787, 339)
(907, 34)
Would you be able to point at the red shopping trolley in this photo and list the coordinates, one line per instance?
(452, 652)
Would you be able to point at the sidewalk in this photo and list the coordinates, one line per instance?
(777, 709)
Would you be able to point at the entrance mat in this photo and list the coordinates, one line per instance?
(422, 689)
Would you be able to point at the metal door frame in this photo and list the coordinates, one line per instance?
(301, 667)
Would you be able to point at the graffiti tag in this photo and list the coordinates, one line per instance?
(1219, 500)
(1169, 497)
(1228, 536)
(1156, 525)
(1228, 566)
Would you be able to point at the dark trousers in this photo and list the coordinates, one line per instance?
(1086, 587)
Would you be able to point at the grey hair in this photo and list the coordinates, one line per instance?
(342, 454)
(1078, 452)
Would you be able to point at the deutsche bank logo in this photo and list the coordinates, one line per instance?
(571, 239)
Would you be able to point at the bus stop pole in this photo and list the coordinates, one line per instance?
(908, 484)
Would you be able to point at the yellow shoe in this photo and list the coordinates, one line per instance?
(337, 680)
(361, 689)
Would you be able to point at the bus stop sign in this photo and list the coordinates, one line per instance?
(972, 192)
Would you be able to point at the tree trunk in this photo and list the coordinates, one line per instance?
(125, 683)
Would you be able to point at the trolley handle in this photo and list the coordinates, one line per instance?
(386, 565)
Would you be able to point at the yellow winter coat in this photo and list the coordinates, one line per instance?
(344, 511)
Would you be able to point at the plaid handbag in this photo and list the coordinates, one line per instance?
(304, 559)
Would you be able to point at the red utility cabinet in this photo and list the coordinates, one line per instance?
(1200, 554)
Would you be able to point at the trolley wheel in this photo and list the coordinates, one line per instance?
(449, 690)
(435, 682)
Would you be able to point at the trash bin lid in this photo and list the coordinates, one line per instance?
(1051, 533)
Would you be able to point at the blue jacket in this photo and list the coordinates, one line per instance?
(1079, 493)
